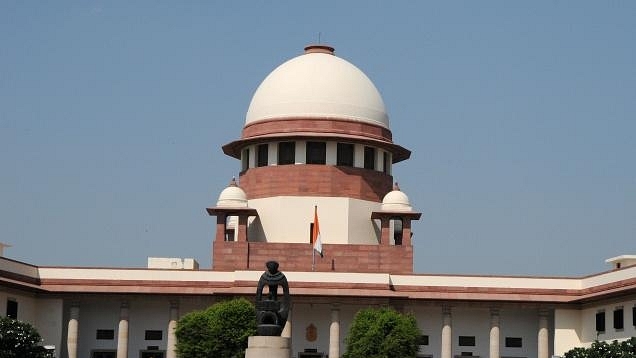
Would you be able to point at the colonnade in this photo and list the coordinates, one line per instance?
(334, 332)
(543, 344)
(122, 332)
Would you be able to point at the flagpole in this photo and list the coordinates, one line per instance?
(313, 239)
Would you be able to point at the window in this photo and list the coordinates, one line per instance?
(634, 316)
(467, 341)
(262, 152)
(105, 334)
(369, 158)
(316, 152)
(618, 318)
(245, 159)
(152, 335)
(600, 321)
(514, 342)
(345, 154)
(422, 340)
(286, 153)
(385, 162)
(152, 354)
(12, 309)
(104, 354)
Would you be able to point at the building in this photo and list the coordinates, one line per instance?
(317, 140)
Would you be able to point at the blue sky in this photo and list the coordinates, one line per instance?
(521, 117)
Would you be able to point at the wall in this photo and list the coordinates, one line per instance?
(232, 255)
(289, 218)
(567, 330)
(588, 321)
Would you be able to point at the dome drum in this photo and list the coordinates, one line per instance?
(320, 180)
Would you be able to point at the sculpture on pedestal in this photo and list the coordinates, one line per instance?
(272, 313)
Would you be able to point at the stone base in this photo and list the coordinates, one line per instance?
(268, 347)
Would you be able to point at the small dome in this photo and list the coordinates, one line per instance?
(314, 85)
(232, 197)
(396, 200)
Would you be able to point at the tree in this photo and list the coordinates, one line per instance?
(382, 333)
(219, 331)
(624, 349)
(20, 340)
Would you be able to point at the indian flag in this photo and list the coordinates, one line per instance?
(315, 237)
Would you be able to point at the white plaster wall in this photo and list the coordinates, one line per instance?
(48, 322)
(302, 316)
(609, 277)
(358, 156)
(567, 330)
(93, 315)
(26, 304)
(320, 316)
(272, 154)
(288, 219)
(429, 320)
(301, 148)
(147, 315)
(486, 281)
(471, 322)
(588, 322)
(43, 314)
(332, 153)
(362, 230)
(518, 323)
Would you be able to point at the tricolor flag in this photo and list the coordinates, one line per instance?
(315, 235)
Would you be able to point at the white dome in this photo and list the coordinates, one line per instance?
(232, 197)
(317, 85)
(396, 200)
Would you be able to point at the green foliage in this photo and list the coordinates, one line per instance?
(616, 349)
(20, 340)
(219, 331)
(382, 333)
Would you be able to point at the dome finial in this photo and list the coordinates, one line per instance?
(319, 48)
(233, 182)
(396, 186)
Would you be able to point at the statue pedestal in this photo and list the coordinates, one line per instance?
(268, 347)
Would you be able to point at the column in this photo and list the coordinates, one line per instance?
(73, 329)
(543, 345)
(242, 228)
(447, 338)
(220, 226)
(287, 330)
(385, 230)
(494, 333)
(122, 335)
(334, 334)
(171, 345)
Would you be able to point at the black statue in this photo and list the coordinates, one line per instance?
(271, 314)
